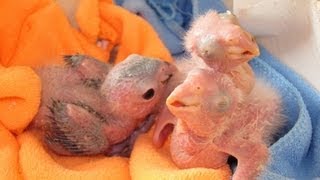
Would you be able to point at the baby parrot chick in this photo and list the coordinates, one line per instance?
(215, 41)
(214, 121)
(89, 107)
(220, 41)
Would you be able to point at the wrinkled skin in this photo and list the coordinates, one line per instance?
(165, 120)
(219, 41)
(89, 107)
(228, 52)
(215, 121)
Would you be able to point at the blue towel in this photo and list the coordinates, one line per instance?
(170, 18)
(296, 154)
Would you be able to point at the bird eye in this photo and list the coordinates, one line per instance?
(223, 103)
(148, 94)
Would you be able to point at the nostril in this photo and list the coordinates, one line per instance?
(177, 104)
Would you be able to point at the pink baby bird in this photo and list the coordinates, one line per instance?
(89, 107)
(220, 41)
(215, 41)
(215, 121)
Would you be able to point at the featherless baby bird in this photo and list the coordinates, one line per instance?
(89, 107)
(215, 41)
(219, 41)
(215, 121)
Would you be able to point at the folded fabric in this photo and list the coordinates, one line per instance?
(19, 97)
(297, 153)
(289, 152)
(36, 32)
(9, 148)
(148, 162)
(36, 163)
(171, 18)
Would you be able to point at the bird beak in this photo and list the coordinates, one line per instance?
(245, 49)
(181, 98)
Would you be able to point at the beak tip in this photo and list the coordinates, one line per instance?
(257, 52)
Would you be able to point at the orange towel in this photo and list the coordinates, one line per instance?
(37, 163)
(19, 97)
(35, 32)
(9, 166)
(147, 162)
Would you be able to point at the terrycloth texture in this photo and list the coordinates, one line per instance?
(9, 148)
(171, 18)
(19, 97)
(35, 32)
(36, 163)
(148, 162)
(297, 153)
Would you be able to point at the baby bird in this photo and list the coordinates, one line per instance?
(89, 107)
(219, 41)
(214, 41)
(215, 121)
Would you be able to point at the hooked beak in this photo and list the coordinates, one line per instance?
(237, 52)
(244, 47)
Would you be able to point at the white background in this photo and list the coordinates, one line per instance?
(289, 29)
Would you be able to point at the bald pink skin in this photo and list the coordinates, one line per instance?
(89, 107)
(219, 41)
(215, 121)
(224, 55)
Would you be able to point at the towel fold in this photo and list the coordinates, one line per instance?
(148, 162)
(9, 166)
(36, 32)
(37, 163)
(171, 18)
(19, 97)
